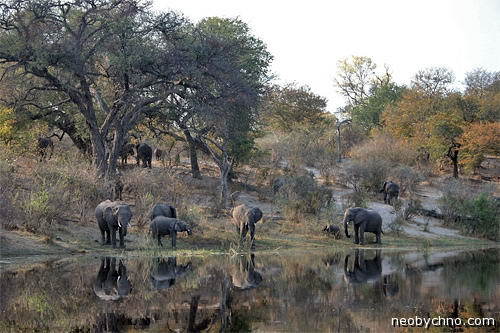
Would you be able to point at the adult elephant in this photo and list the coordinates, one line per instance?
(43, 145)
(144, 154)
(126, 151)
(243, 274)
(164, 272)
(391, 191)
(161, 209)
(364, 220)
(363, 270)
(113, 216)
(110, 284)
(245, 218)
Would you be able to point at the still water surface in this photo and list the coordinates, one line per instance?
(350, 291)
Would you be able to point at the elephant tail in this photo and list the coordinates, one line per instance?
(382, 231)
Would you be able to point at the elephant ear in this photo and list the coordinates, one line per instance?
(178, 226)
(108, 214)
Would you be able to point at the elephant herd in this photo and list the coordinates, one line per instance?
(112, 283)
(115, 216)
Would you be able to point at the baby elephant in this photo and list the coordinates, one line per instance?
(163, 226)
(161, 209)
(244, 218)
(390, 190)
(334, 230)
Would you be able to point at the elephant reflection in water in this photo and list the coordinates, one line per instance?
(164, 272)
(390, 285)
(363, 270)
(110, 284)
(243, 274)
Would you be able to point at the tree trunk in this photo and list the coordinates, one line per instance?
(98, 152)
(224, 167)
(117, 146)
(453, 156)
(193, 156)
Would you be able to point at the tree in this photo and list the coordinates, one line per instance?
(433, 81)
(101, 57)
(367, 113)
(477, 141)
(235, 85)
(291, 107)
(429, 116)
(354, 78)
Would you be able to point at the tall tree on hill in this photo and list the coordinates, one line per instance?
(97, 55)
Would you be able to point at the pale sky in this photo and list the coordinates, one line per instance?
(307, 38)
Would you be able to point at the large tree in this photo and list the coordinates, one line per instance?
(99, 56)
(291, 107)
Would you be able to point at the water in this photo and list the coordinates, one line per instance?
(350, 291)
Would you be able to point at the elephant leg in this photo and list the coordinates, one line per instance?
(362, 234)
(159, 240)
(252, 235)
(113, 237)
(356, 238)
(122, 237)
(385, 197)
(173, 234)
(378, 238)
(108, 236)
(103, 236)
(244, 231)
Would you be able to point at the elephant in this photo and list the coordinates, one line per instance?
(391, 191)
(278, 183)
(112, 216)
(144, 154)
(243, 274)
(110, 284)
(165, 272)
(158, 154)
(364, 270)
(162, 226)
(126, 151)
(161, 209)
(364, 220)
(334, 230)
(43, 144)
(245, 218)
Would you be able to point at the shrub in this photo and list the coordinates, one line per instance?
(301, 195)
(384, 147)
(407, 178)
(473, 210)
(368, 175)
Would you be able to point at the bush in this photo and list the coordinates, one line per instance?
(475, 211)
(407, 178)
(384, 147)
(368, 175)
(300, 195)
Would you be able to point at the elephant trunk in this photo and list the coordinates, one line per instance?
(345, 227)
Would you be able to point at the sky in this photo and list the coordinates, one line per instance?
(308, 38)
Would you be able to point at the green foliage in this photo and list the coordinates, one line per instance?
(475, 212)
(367, 113)
(292, 107)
